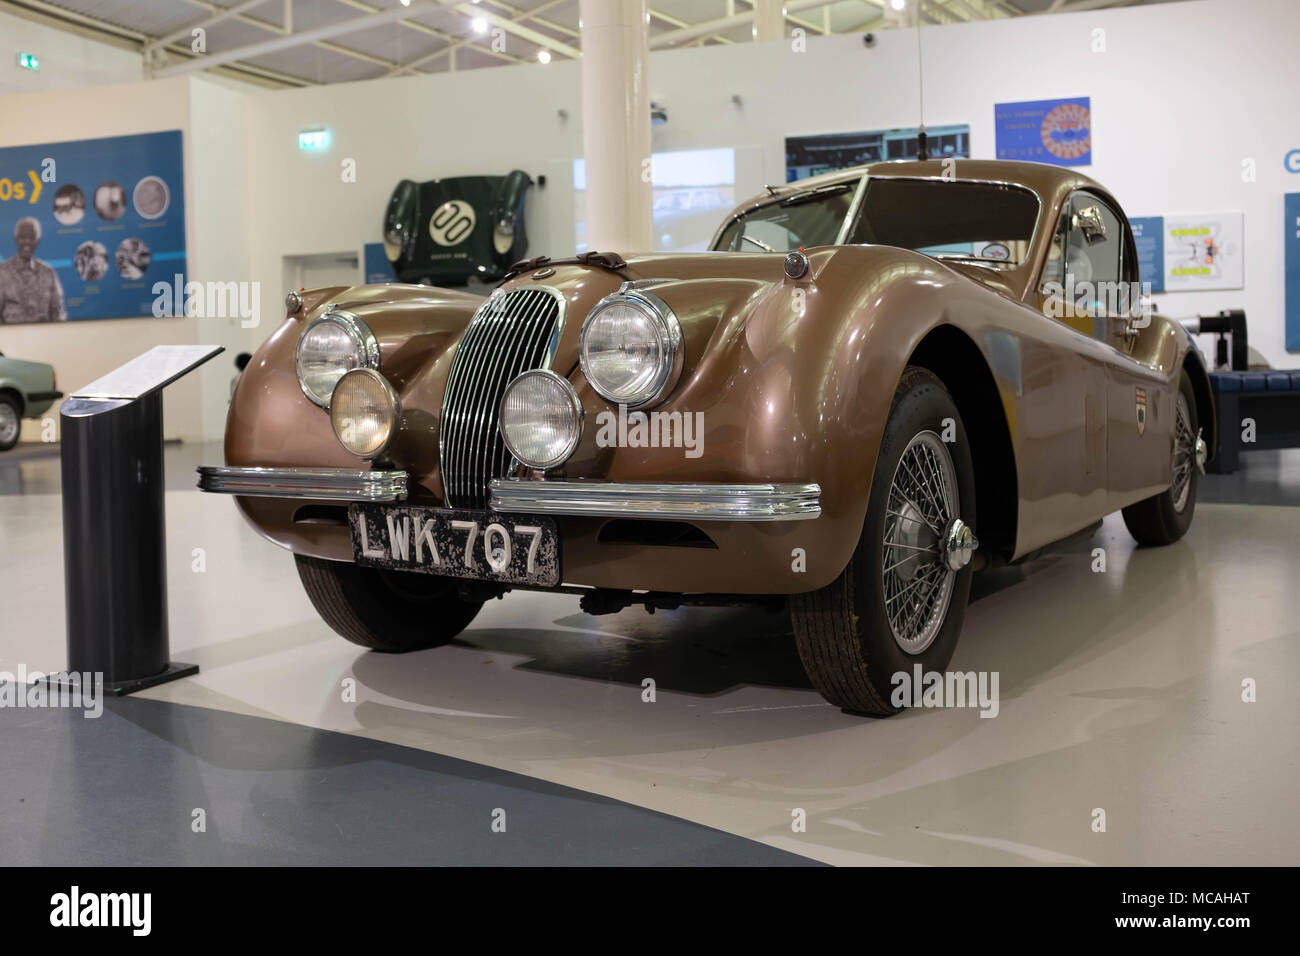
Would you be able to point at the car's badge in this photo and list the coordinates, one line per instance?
(1141, 409)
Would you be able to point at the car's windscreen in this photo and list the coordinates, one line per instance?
(984, 223)
(805, 219)
(980, 222)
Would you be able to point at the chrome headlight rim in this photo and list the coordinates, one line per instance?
(669, 331)
(364, 341)
(575, 404)
(394, 411)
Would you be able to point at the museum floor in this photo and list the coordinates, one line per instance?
(1119, 690)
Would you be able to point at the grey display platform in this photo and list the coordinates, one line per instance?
(124, 788)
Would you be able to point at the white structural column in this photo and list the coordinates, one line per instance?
(616, 125)
(769, 21)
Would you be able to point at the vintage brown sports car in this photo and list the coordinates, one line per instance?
(871, 368)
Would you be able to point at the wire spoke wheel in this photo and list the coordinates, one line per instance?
(918, 582)
(1184, 454)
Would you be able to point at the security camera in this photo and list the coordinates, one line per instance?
(868, 39)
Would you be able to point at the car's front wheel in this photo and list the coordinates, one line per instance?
(383, 610)
(901, 600)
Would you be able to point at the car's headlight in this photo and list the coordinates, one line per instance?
(332, 345)
(541, 418)
(364, 412)
(631, 348)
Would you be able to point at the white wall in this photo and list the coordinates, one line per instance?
(1182, 94)
(67, 59)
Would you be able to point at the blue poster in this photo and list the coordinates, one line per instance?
(1292, 270)
(88, 227)
(378, 268)
(1045, 131)
(1149, 237)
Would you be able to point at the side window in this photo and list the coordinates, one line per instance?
(1093, 240)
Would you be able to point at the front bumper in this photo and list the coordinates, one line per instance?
(697, 502)
(314, 484)
(751, 539)
(691, 502)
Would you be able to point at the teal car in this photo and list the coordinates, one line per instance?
(27, 390)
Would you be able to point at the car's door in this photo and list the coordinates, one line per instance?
(1093, 262)
(1072, 402)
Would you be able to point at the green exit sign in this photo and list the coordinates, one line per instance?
(314, 140)
(29, 61)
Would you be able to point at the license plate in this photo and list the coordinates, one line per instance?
(512, 549)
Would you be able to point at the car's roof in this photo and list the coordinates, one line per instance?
(1045, 180)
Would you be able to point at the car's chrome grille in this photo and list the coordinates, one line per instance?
(512, 332)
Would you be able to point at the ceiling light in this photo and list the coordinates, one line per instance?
(543, 56)
(898, 4)
(479, 25)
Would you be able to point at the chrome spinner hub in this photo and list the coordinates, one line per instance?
(959, 543)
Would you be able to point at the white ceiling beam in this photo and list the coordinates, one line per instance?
(216, 17)
(430, 31)
(269, 47)
(518, 29)
(450, 50)
(1076, 6)
(674, 37)
(244, 18)
(519, 15)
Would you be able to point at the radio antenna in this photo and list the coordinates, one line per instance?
(922, 150)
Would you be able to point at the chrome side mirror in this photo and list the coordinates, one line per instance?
(1090, 223)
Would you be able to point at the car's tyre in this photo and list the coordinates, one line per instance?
(901, 600)
(1164, 518)
(11, 422)
(392, 611)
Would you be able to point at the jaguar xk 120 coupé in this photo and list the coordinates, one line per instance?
(878, 381)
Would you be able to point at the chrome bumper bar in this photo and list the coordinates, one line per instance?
(784, 502)
(318, 484)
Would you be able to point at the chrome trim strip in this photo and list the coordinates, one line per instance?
(317, 484)
(702, 502)
(851, 217)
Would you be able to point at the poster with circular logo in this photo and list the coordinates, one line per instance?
(1066, 131)
(1045, 131)
(452, 223)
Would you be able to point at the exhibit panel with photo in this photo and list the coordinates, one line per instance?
(813, 155)
(87, 227)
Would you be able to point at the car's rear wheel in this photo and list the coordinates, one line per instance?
(1164, 518)
(11, 422)
(901, 600)
(383, 610)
